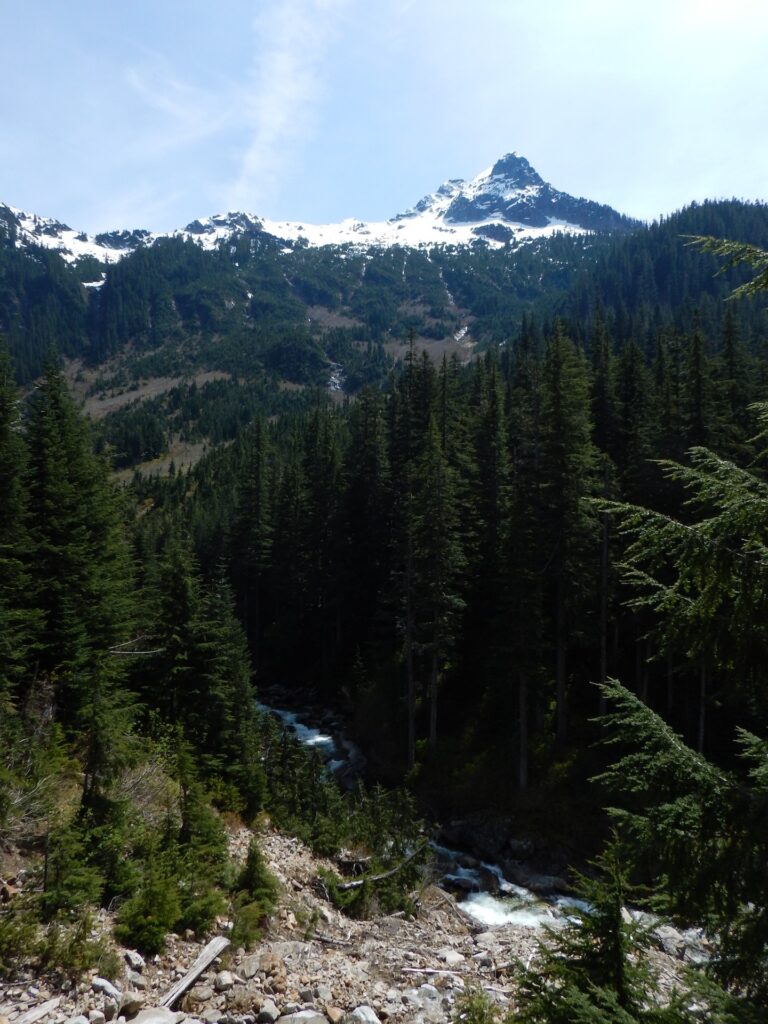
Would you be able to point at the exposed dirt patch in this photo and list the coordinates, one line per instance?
(100, 405)
(330, 317)
(181, 453)
(436, 349)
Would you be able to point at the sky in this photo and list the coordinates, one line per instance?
(150, 113)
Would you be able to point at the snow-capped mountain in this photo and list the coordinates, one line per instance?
(30, 229)
(508, 201)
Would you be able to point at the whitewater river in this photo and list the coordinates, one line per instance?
(506, 904)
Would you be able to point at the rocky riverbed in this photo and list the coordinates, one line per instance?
(315, 965)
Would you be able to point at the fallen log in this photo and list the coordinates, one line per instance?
(31, 1016)
(462, 915)
(214, 948)
(433, 971)
(329, 940)
(360, 882)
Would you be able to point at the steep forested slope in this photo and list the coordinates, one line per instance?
(655, 276)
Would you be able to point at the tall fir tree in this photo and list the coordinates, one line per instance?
(80, 574)
(15, 611)
(253, 531)
(219, 710)
(596, 970)
(568, 476)
(438, 562)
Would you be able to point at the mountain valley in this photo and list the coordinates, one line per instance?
(449, 481)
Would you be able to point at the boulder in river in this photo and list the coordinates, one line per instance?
(459, 883)
(670, 940)
(542, 885)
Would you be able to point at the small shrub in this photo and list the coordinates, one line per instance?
(200, 911)
(69, 949)
(18, 934)
(476, 1007)
(256, 892)
(146, 918)
(248, 923)
(256, 879)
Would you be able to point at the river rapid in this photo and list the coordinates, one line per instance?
(481, 887)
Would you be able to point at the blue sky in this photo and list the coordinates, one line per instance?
(149, 113)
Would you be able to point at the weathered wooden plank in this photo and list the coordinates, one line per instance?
(38, 1012)
(214, 948)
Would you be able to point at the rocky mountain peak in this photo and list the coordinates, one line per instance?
(232, 221)
(508, 202)
(516, 170)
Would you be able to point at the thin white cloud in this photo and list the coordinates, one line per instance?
(139, 206)
(292, 40)
(188, 113)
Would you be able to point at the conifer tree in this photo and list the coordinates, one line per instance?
(438, 561)
(219, 711)
(485, 522)
(290, 556)
(15, 613)
(452, 415)
(568, 476)
(80, 577)
(322, 467)
(367, 515)
(168, 679)
(525, 554)
(595, 970)
(635, 422)
(701, 581)
(406, 441)
(736, 388)
(253, 532)
(696, 828)
(700, 424)
(693, 823)
(736, 254)
(604, 403)
(80, 566)
(492, 493)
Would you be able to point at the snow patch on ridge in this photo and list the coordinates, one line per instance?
(459, 213)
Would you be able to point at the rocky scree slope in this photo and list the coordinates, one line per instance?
(314, 965)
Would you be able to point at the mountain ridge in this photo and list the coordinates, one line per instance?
(507, 202)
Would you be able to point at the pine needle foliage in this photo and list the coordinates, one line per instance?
(697, 827)
(699, 830)
(704, 575)
(736, 254)
(674, 806)
(594, 971)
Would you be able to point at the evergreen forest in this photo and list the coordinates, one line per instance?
(530, 574)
